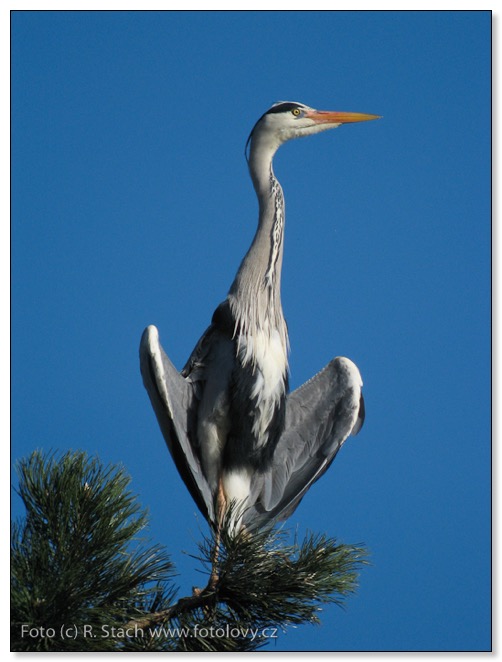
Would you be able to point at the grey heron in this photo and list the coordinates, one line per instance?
(235, 432)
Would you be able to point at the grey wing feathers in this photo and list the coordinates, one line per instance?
(172, 399)
(196, 359)
(320, 415)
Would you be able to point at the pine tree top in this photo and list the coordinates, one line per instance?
(84, 580)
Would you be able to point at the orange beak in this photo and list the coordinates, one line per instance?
(334, 117)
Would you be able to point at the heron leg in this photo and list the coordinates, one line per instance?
(221, 504)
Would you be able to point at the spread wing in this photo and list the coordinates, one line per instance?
(320, 415)
(174, 402)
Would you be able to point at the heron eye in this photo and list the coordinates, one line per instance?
(296, 112)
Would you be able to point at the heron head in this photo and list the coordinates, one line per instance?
(289, 119)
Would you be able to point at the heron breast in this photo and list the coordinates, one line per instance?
(267, 354)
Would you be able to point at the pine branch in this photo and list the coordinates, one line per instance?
(262, 585)
(199, 600)
(74, 560)
(269, 581)
(77, 561)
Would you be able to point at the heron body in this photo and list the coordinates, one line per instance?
(235, 432)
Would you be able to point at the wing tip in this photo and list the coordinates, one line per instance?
(350, 368)
(150, 336)
(152, 367)
(354, 380)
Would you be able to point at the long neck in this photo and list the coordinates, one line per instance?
(255, 294)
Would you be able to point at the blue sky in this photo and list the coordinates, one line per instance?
(132, 205)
